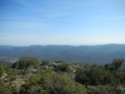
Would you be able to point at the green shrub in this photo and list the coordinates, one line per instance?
(25, 62)
(50, 82)
(4, 90)
(64, 67)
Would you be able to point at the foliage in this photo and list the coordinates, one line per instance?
(45, 62)
(62, 78)
(1, 70)
(52, 83)
(107, 89)
(4, 90)
(115, 65)
(96, 75)
(25, 62)
(65, 67)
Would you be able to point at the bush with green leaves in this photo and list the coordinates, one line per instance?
(64, 67)
(26, 62)
(5, 90)
(106, 89)
(1, 70)
(50, 82)
(117, 64)
(45, 62)
(95, 76)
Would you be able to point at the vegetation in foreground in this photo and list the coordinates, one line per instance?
(30, 76)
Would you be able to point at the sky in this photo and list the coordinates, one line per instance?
(62, 22)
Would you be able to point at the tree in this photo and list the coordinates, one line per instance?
(26, 62)
(45, 62)
(95, 75)
(1, 70)
(4, 90)
(117, 63)
(65, 67)
(59, 84)
(50, 82)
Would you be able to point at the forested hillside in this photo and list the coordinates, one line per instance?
(79, 54)
(28, 75)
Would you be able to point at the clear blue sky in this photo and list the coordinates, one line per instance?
(62, 22)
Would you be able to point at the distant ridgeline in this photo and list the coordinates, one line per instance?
(100, 54)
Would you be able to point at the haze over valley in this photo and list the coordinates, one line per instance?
(100, 54)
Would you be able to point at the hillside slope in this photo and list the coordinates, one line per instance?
(81, 54)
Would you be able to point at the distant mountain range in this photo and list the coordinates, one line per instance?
(100, 54)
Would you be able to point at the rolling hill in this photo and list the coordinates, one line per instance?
(100, 54)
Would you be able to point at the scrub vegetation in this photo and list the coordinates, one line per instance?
(31, 76)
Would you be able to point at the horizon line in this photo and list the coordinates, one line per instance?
(63, 45)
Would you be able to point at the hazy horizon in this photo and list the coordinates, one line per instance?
(60, 45)
(64, 22)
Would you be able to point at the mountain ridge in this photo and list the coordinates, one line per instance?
(100, 54)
